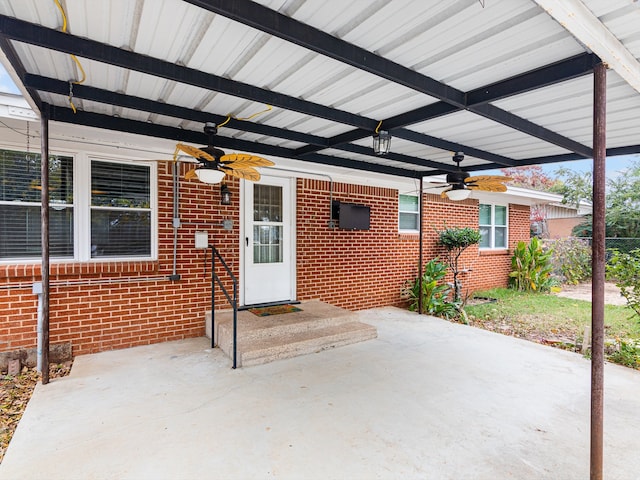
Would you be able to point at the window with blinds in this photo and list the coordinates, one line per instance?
(20, 202)
(120, 210)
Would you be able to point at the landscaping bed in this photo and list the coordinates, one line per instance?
(559, 321)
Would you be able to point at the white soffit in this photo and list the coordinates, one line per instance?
(576, 17)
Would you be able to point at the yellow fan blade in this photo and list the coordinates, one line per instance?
(487, 178)
(247, 173)
(190, 174)
(488, 187)
(195, 152)
(443, 194)
(486, 182)
(241, 160)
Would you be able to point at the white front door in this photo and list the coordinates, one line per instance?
(267, 243)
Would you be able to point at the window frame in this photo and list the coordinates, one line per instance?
(53, 205)
(82, 209)
(416, 213)
(88, 208)
(492, 226)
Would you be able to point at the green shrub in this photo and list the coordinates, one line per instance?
(434, 291)
(625, 353)
(456, 241)
(531, 267)
(624, 270)
(570, 259)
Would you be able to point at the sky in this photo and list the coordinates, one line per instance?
(6, 84)
(615, 165)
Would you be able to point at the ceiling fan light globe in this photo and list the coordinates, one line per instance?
(209, 175)
(458, 194)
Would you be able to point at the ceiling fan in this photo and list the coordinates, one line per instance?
(214, 164)
(461, 183)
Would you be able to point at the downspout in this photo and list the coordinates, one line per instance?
(37, 290)
(44, 221)
(420, 248)
(598, 270)
(175, 220)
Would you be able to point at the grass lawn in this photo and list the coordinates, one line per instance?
(553, 320)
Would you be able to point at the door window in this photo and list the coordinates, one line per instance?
(267, 224)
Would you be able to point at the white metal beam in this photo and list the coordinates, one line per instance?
(578, 20)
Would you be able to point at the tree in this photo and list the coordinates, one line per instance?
(623, 203)
(624, 268)
(622, 208)
(530, 176)
(575, 187)
(456, 241)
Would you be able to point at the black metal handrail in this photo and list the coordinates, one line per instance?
(233, 301)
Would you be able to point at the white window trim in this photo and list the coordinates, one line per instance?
(31, 260)
(416, 213)
(85, 253)
(82, 210)
(82, 196)
(493, 226)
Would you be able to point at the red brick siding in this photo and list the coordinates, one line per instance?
(562, 227)
(106, 305)
(345, 267)
(364, 269)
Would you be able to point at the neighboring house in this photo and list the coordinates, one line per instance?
(555, 219)
(125, 269)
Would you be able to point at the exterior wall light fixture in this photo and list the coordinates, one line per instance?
(225, 195)
(381, 141)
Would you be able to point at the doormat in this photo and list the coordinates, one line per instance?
(275, 310)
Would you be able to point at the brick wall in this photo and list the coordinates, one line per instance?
(106, 305)
(100, 306)
(345, 267)
(365, 269)
(562, 227)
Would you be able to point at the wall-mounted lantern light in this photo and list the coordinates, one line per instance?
(225, 195)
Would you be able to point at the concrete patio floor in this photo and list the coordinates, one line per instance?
(426, 399)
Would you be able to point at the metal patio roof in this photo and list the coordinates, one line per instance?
(508, 82)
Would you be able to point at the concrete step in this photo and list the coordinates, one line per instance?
(253, 326)
(318, 326)
(311, 317)
(264, 350)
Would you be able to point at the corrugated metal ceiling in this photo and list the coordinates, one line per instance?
(503, 81)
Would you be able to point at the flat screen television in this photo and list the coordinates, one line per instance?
(351, 216)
